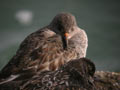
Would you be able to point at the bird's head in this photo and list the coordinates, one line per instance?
(63, 24)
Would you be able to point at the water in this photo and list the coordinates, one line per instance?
(99, 18)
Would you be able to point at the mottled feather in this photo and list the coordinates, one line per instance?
(43, 49)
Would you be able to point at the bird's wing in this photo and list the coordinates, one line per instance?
(74, 75)
(39, 53)
(17, 62)
(50, 56)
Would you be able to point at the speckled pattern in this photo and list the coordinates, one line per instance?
(74, 75)
(44, 49)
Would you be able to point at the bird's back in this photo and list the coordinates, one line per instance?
(19, 60)
(38, 52)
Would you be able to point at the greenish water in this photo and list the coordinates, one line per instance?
(99, 18)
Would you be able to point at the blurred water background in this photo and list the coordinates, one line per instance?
(99, 18)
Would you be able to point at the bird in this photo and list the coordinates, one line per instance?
(77, 74)
(48, 48)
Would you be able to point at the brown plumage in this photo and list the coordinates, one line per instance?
(74, 75)
(49, 47)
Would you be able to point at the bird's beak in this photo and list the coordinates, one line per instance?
(65, 40)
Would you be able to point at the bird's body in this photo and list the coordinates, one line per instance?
(46, 49)
(76, 74)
